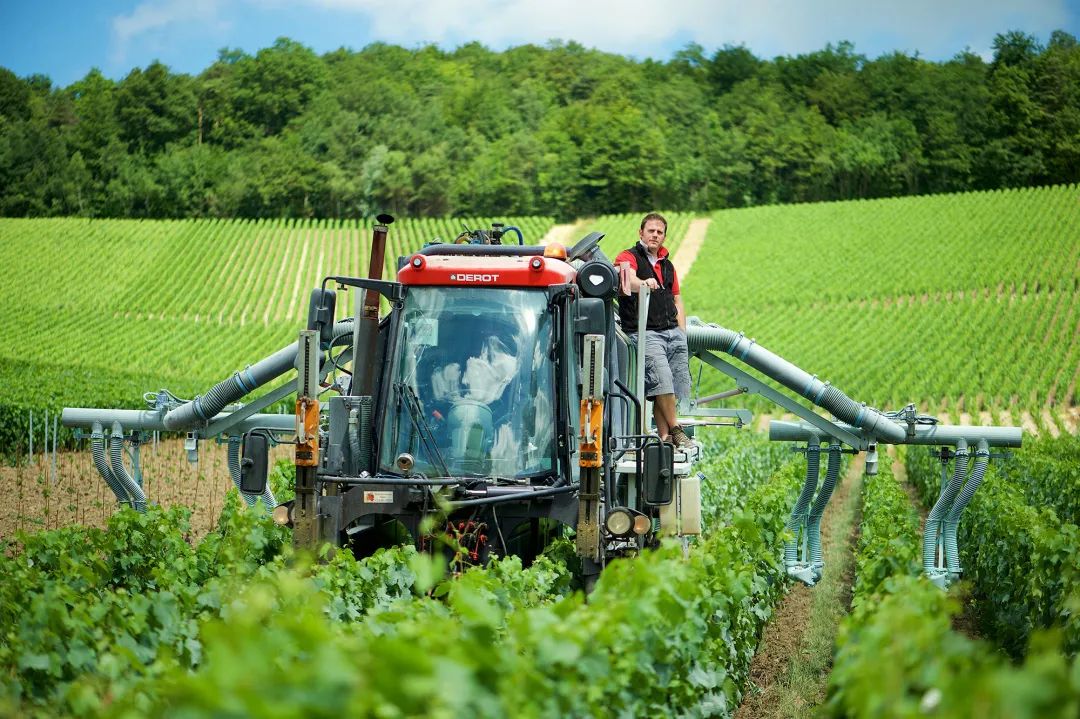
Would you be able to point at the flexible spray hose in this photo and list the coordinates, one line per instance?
(116, 451)
(798, 514)
(354, 437)
(359, 434)
(701, 336)
(234, 472)
(203, 408)
(952, 521)
(234, 467)
(941, 508)
(97, 450)
(512, 228)
(813, 523)
(364, 428)
(341, 329)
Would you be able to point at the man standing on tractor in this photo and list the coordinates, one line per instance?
(667, 368)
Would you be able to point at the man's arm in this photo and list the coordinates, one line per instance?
(681, 312)
(634, 281)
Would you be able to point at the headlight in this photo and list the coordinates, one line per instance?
(619, 522)
(282, 514)
(642, 524)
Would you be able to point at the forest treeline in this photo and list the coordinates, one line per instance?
(559, 130)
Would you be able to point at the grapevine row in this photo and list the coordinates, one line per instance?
(969, 302)
(1047, 471)
(964, 353)
(660, 635)
(1022, 560)
(900, 247)
(138, 615)
(897, 653)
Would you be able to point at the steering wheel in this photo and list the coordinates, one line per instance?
(585, 246)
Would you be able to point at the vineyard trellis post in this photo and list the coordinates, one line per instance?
(53, 476)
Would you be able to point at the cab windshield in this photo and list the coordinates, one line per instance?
(471, 388)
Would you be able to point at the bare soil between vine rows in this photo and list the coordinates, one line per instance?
(36, 498)
(782, 641)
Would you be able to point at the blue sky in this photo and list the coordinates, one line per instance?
(65, 39)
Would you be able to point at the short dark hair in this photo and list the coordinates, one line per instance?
(654, 216)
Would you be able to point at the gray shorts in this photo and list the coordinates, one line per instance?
(667, 363)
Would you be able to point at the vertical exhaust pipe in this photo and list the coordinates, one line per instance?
(378, 254)
(366, 326)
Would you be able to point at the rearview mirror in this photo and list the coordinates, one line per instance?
(321, 314)
(658, 472)
(254, 466)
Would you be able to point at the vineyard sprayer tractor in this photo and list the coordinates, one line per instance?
(499, 401)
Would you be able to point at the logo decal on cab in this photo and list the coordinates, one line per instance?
(474, 277)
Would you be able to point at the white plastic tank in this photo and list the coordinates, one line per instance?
(683, 515)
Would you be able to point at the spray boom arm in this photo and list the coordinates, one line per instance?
(861, 428)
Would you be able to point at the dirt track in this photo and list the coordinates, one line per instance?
(688, 248)
(565, 234)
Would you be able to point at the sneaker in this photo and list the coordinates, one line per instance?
(680, 440)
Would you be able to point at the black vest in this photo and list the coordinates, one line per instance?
(662, 312)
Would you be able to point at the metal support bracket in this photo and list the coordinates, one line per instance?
(223, 425)
(938, 454)
(752, 384)
(802, 450)
(741, 416)
(392, 291)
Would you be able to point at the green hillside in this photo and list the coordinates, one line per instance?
(100, 311)
(559, 129)
(967, 301)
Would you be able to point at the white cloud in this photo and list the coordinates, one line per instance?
(937, 29)
(645, 28)
(158, 15)
(151, 20)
